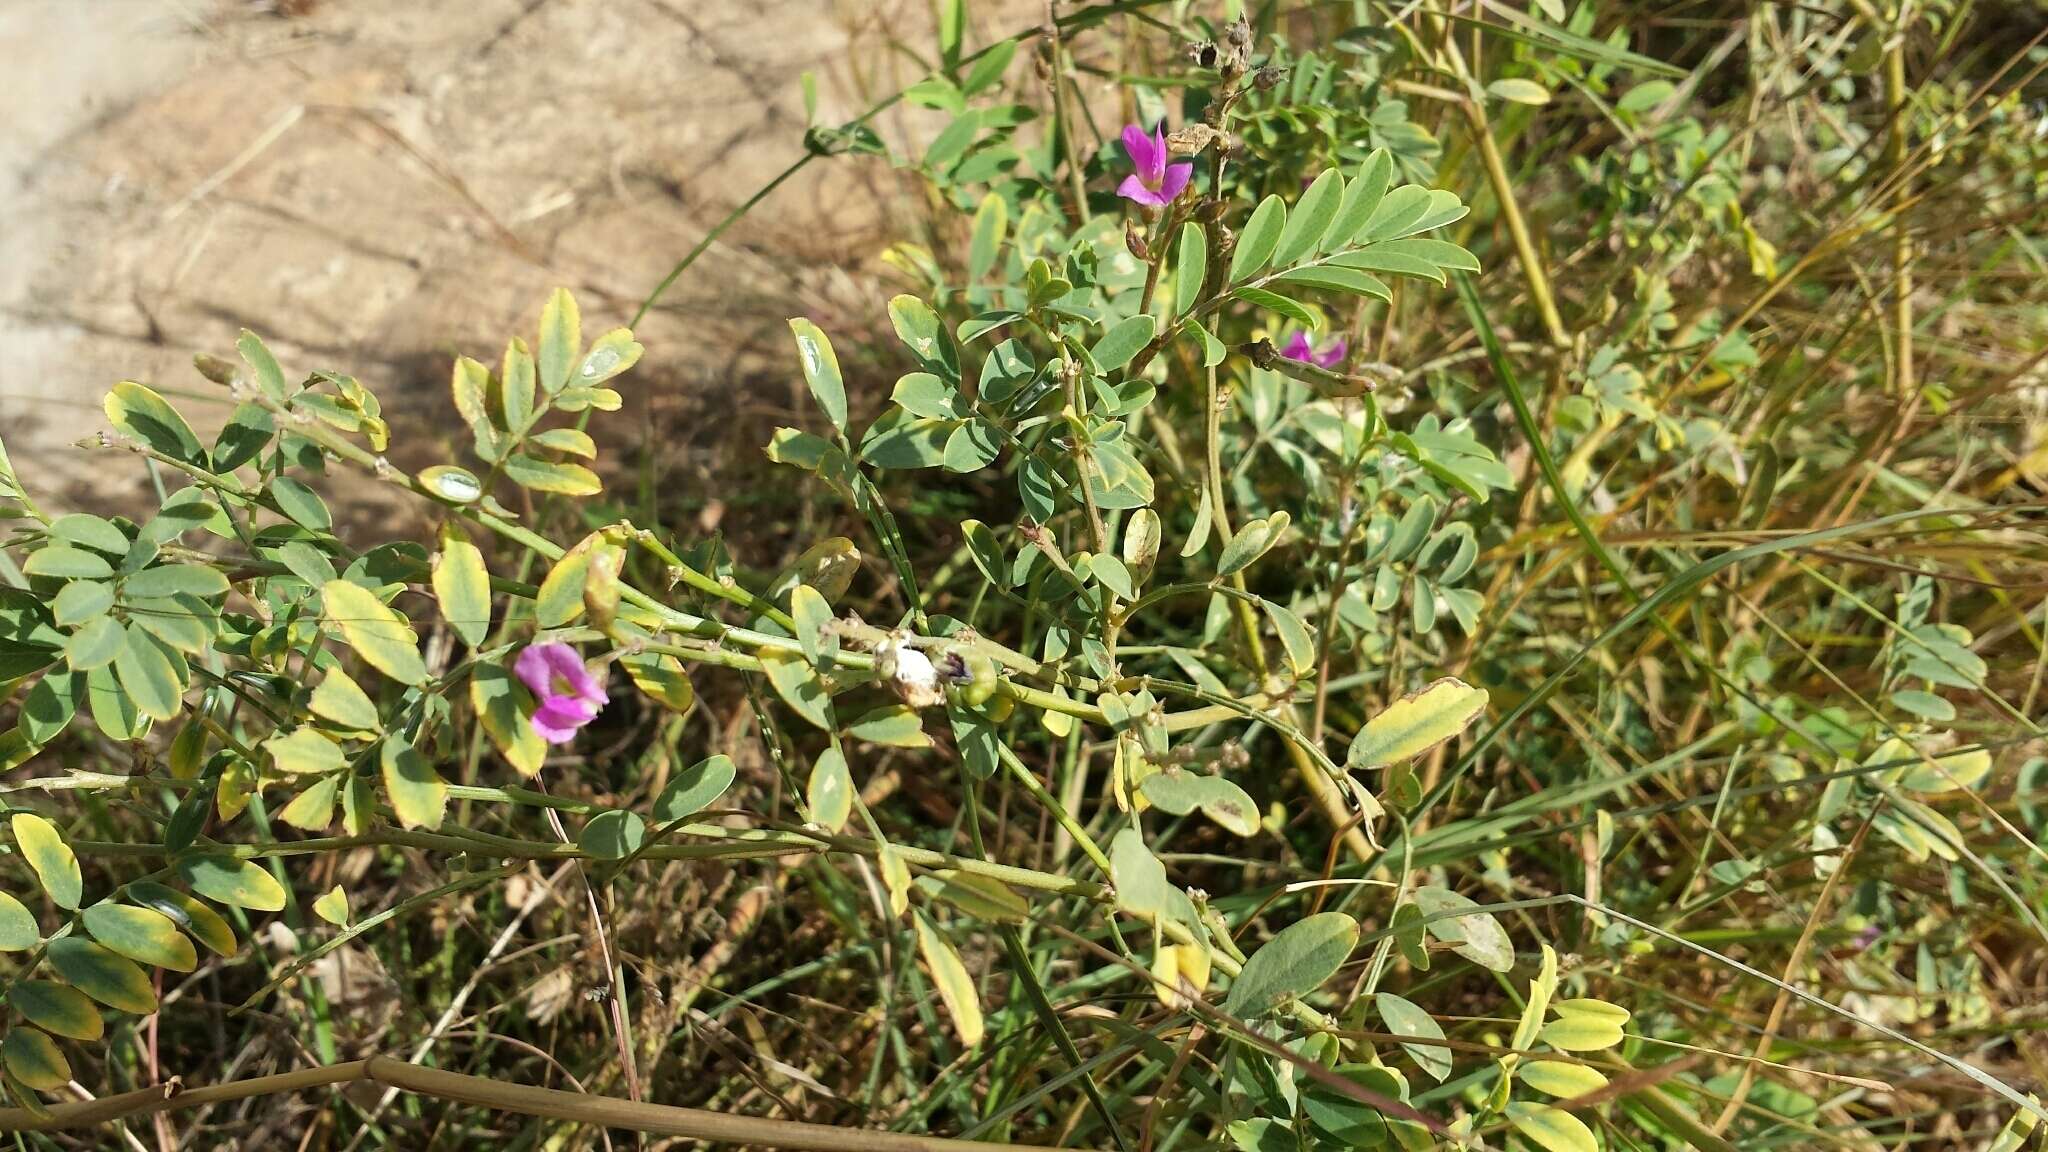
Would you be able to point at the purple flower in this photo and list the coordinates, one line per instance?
(569, 695)
(1155, 183)
(1298, 348)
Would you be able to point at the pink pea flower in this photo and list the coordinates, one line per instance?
(1155, 183)
(1298, 348)
(569, 695)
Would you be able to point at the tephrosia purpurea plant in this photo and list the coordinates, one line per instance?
(1423, 587)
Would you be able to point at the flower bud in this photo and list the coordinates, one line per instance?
(1134, 241)
(221, 372)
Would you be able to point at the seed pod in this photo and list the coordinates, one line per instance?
(1234, 55)
(1191, 139)
(981, 679)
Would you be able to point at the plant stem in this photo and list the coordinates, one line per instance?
(478, 1091)
(1895, 96)
(1518, 231)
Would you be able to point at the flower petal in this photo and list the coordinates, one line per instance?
(585, 685)
(1134, 190)
(1136, 143)
(549, 732)
(1334, 355)
(557, 720)
(1174, 182)
(1145, 157)
(537, 663)
(1298, 348)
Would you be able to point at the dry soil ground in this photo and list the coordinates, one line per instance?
(374, 185)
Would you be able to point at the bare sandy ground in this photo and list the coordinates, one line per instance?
(374, 185)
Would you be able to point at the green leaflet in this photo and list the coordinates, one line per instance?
(1294, 963)
(821, 370)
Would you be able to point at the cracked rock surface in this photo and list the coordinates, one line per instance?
(374, 186)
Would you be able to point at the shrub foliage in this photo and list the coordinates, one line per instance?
(1467, 591)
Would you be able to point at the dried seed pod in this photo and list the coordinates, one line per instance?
(1235, 53)
(1191, 139)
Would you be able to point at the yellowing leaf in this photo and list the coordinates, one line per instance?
(1552, 1129)
(57, 1008)
(35, 1059)
(342, 702)
(949, 976)
(1180, 972)
(234, 882)
(895, 878)
(313, 809)
(18, 929)
(560, 599)
(1538, 1004)
(1252, 541)
(54, 863)
(418, 794)
(495, 695)
(1581, 1034)
(561, 340)
(141, 934)
(661, 678)
(1520, 91)
(378, 633)
(304, 751)
(102, 975)
(148, 417)
(201, 922)
(1416, 723)
(1591, 1009)
(1955, 770)
(332, 907)
(462, 586)
(1564, 1081)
